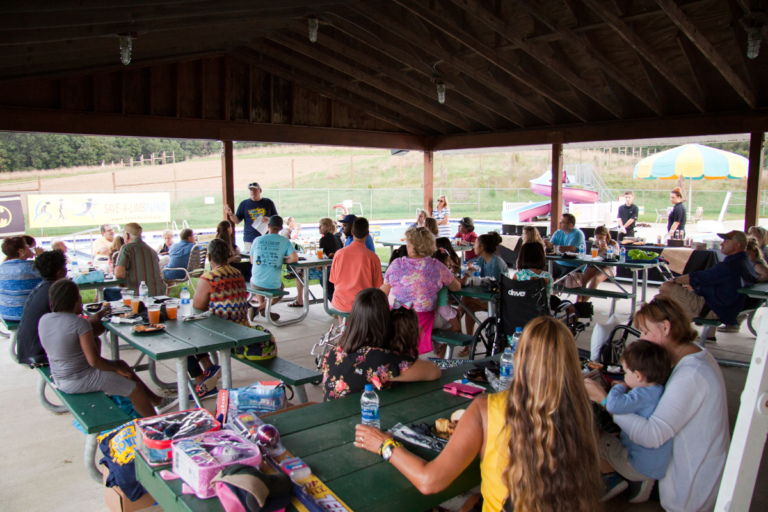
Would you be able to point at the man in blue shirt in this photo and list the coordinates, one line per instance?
(251, 212)
(716, 287)
(179, 255)
(346, 226)
(268, 253)
(566, 239)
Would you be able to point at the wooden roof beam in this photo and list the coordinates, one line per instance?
(423, 86)
(540, 53)
(647, 52)
(482, 76)
(449, 28)
(317, 69)
(329, 91)
(358, 31)
(590, 53)
(682, 21)
(303, 46)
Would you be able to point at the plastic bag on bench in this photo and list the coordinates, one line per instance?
(260, 397)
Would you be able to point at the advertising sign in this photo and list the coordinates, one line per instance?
(65, 210)
(11, 216)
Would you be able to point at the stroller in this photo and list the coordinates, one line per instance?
(519, 303)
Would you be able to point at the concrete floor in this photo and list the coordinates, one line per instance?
(42, 466)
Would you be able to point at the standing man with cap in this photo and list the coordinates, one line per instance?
(346, 226)
(716, 287)
(268, 253)
(251, 211)
(467, 235)
(628, 213)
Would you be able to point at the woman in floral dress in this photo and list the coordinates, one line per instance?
(364, 354)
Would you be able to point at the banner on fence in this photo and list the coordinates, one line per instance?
(11, 216)
(65, 210)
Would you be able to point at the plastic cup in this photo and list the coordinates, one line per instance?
(153, 312)
(319, 253)
(594, 251)
(171, 308)
(135, 301)
(127, 297)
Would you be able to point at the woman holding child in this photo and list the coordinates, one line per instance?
(693, 411)
(378, 347)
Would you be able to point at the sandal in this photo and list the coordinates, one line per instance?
(295, 304)
(464, 352)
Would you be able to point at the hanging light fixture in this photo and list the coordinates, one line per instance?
(440, 91)
(126, 45)
(754, 38)
(314, 24)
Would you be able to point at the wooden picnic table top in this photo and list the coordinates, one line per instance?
(182, 338)
(322, 435)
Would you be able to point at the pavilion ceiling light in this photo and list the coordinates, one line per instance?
(440, 91)
(754, 37)
(314, 24)
(126, 45)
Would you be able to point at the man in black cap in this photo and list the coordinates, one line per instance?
(467, 235)
(252, 211)
(346, 226)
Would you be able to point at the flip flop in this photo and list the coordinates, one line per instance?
(464, 352)
(295, 304)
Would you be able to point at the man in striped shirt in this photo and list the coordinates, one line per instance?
(138, 262)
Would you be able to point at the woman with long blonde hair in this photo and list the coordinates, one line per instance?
(536, 440)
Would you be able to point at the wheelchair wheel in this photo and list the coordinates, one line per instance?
(485, 335)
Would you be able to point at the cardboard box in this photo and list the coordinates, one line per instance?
(116, 501)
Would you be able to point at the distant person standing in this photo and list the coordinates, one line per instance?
(251, 211)
(442, 214)
(677, 217)
(628, 213)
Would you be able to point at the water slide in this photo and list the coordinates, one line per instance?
(543, 186)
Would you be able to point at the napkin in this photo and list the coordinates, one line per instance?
(204, 314)
(120, 320)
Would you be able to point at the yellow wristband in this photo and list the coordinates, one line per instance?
(387, 442)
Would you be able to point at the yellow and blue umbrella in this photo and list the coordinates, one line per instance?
(692, 162)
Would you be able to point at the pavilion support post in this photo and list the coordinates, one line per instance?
(752, 211)
(429, 177)
(557, 187)
(227, 175)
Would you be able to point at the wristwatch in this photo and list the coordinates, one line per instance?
(387, 448)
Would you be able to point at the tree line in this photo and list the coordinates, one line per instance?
(38, 151)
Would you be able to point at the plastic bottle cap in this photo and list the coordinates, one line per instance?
(368, 387)
(519, 329)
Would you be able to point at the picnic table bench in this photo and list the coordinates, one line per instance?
(287, 371)
(452, 339)
(95, 412)
(12, 328)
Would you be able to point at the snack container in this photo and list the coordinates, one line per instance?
(198, 459)
(155, 433)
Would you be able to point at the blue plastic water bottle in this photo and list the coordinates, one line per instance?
(369, 407)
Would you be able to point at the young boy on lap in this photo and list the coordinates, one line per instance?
(646, 368)
(75, 356)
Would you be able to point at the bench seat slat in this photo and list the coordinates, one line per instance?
(455, 339)
(291, 373)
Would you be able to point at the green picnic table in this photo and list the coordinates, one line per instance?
(394, 243)
(181, 339)
(99, 287)
(322, 435)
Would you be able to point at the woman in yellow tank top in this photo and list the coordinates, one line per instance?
(536, 440)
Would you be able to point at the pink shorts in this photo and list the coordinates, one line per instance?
(426, 320)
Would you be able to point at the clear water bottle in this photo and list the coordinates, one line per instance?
(75, 267)
(623, 254)
(369, 407)
(185, 308)
(143, 292)
(609, 253)
(515, 338)
(582, 250)
(507, 368)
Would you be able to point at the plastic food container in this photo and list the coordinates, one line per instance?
(156, 433)
(197, 460)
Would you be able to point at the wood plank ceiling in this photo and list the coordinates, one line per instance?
(515, 71)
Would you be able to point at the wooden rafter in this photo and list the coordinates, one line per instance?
(680, 19)
(591, 54)
(485, 104)
(303, 46)
(343, 82)
(449, 28)
(647, 52)
(540, 53)
(480, 75)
